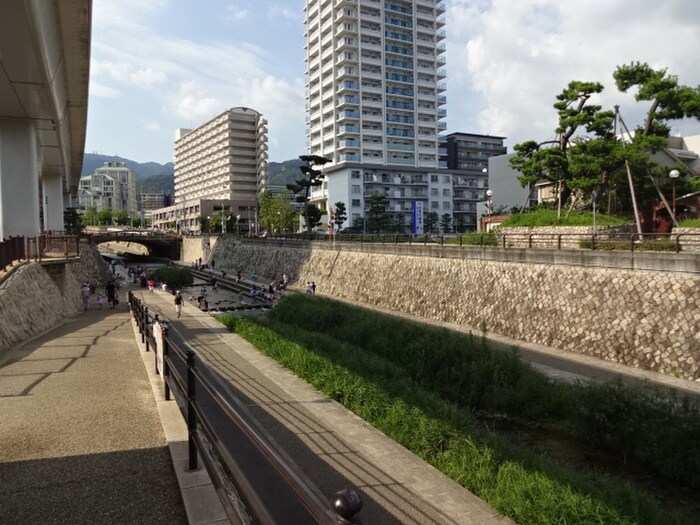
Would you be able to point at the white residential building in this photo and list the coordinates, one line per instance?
(112, 187)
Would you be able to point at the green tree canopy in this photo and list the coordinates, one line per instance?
(276, 212)
(312, 177)
(377, 218)
(341, 215)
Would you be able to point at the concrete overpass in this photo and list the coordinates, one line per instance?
(44, 75)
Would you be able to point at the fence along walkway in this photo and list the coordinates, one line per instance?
(330, 446)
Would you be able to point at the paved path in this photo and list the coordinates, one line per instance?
(81, 439)
(332, 446)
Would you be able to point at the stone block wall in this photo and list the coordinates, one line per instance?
(644, 319)
(36, 298)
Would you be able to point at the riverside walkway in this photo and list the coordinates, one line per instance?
(86, 432)
(81, 439)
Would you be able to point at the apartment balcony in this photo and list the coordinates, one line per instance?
(441, 87)
(372, 61)
(401, 161)
(440, 22)
(347, 129)
(370, 31)
(400, 147)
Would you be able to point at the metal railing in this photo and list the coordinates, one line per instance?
(241, 461)
(45, 246)
(674, 242)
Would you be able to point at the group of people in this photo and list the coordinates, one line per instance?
(310, 287)
(110, 295)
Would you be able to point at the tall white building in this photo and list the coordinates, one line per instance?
(219, 166)
(375, 94)
(375, 80)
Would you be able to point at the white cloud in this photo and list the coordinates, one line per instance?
(277, 10)
(514, 56)
(235, 12)
(102, 91)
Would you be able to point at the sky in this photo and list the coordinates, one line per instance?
(159, 65)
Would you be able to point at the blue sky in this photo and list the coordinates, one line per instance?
(158, 65)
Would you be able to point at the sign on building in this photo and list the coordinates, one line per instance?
(417, 217)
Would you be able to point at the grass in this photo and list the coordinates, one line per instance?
(425, 388)
(548, 217)
(689, 223)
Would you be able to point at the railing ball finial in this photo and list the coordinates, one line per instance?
(346, 503)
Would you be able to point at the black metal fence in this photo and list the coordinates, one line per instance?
(45, 246)
(240, 460)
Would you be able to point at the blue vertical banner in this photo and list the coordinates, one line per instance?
(417, 217)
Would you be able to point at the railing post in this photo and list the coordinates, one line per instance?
(678, 243)
(559, 241)
(191, 415)
(345, 504)
(144, 320)
(529, 240)
(166, 366)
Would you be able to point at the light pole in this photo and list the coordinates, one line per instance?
(673, 175)
(489, 209)
(238, 225)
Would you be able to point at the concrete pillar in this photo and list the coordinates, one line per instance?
(19, 179)
(52, 188)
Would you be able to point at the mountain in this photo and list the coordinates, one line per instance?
(283, 173)
(92, 161)
(152, 177)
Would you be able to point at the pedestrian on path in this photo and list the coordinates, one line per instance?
(178, 303)
(111, 291)
(85, 296)
(151, 285)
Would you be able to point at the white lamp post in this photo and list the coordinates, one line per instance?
(673, 175)
(489, 208)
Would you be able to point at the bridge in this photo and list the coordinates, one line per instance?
(159, 244)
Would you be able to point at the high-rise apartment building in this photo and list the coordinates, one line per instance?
(375, 80)
(219, 166)
(111, 187)
(375, 84)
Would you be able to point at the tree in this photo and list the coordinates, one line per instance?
(302, 186)
(377, 219)
(204, 224)
(552, 160)
(120, 217)
(104, 217)
(90, 217)
(312, 216)
(589, 157)
(358, 224)
(276, 212)
(400, 223)
(446, 223)
(216, 220)
(431, 221)
(461, 224)
(341, 215)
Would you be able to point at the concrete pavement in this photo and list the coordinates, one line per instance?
(81, 439)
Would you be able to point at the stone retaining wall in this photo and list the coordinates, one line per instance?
(645, 319)
(35, 297)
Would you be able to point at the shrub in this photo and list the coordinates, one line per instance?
(547, 217)
(173, 277)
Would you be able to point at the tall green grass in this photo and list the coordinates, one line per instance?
(423, 387)
(548, 217)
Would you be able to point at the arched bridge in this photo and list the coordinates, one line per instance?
(159, 244)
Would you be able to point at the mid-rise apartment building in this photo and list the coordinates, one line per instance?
(111, 187)
(221, 165)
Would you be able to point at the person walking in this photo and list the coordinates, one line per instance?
(111, 291)
(85, 296)
(178, 303)
(151, 285)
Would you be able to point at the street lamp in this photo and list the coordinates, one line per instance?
(673, 175)
(224, 220)
(238, 225)
(489, 208)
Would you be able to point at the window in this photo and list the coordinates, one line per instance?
(434, 192)
(446, 205)
(434, 178)
(434, 205)
(356, 203)
(446, 192)
(355, 188)
(446, 179)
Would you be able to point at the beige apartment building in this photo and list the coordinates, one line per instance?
(221, 165)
